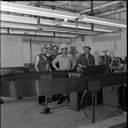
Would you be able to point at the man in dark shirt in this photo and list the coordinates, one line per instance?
(86, 59)
(53, 56)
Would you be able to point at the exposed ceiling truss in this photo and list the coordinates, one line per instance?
(66, 19)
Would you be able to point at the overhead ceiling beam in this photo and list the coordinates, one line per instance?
(62, 3)
(23, 9)
(100, 6)
(112, 12)
(32, 35)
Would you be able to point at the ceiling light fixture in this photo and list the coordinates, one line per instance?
(30, 23)
(25, 9)
(29, 10)
(42, 28)
(101, 21)
(24, 32)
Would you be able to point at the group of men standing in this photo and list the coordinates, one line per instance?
(65, 60)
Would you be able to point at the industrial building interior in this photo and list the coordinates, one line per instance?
(26, 27)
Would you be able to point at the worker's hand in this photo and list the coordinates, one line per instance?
(83, 66)
(79, 68)
(57, 69)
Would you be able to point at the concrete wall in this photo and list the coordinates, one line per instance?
(14, 52)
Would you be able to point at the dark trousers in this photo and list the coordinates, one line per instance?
(41, 99)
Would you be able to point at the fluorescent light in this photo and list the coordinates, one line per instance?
(26, 20)
(25, 9)
(73, 25)
(24, 32)
(65, 35)
(43, 28)
(30, 10)
(18, 26)
(80, 26)
(30, 23)
(101, 21)
(19, 19)
(16, 31)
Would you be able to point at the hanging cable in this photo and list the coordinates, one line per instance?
(81, 104)
(83, 96)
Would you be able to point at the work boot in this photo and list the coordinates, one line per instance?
(61, 99)
(41, 99)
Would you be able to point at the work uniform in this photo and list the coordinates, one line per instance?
(86, 60)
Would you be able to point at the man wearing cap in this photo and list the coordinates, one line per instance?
(86, 59)
(41, 64)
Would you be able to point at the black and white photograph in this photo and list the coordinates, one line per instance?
(63, 64)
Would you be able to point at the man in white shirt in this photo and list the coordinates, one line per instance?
(65, 63)
(65, 60)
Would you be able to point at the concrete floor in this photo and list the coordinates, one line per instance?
(25, 113)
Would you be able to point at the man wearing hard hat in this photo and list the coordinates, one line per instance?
(41, 61)
(64, 59)
(86, 59)
(41, 64)
(65, 63)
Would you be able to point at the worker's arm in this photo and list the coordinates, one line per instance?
(93, 60)
(36, 63)
(73, 62)
(79, 63)
(56, 60)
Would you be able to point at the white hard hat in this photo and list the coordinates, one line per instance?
(63, 46)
